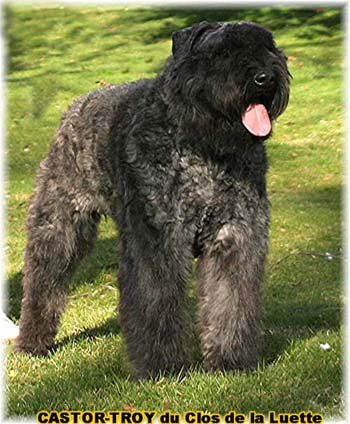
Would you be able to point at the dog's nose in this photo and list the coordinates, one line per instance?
(264, 80)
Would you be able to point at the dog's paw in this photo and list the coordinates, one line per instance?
(34, 349)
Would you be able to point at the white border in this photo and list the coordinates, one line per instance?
(186, 4)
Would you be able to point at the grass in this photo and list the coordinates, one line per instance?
(56, 53)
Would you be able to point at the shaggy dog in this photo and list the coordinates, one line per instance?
(179, 163)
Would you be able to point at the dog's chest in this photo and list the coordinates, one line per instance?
(180, 186)
(209, 187)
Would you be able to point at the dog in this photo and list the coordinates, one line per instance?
(179, 162)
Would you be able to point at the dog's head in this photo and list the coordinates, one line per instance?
(233, 70)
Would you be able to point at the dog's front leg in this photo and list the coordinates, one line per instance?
(230, 274)
(153, 305)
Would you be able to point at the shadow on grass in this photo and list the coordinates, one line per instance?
(313, 23)
(297, 320)
(110, 327)
(275, 17)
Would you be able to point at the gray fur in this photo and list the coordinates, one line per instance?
(171, 162)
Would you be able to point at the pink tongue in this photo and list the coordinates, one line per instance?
(256, 120)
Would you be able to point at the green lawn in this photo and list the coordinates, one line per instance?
(56, 53)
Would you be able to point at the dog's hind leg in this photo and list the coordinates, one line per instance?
(230, 274)
(61, 231)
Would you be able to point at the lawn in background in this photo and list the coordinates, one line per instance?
(56, 53)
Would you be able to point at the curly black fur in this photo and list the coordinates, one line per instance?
(170, 160)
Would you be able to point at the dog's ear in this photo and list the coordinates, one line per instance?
(187, 37)
(180, 38)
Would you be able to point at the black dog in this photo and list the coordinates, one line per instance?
(179, 162)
